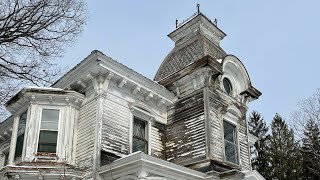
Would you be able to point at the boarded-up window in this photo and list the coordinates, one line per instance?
(20, 135)
(48, 131)
(230, 142)
(139, 140)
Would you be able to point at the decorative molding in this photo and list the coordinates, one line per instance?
(110, 75)
(149, 96)
(81, 83)
(136, 90)
(161, 102)
(122, 82)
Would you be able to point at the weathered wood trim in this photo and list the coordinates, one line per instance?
(185, 132)
(13, 139)
(206, 120)
(98, 132)
(206, 60)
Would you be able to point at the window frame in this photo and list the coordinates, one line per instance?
(227, 82)
(143, 115)
(231, 119)
(234, 85)
(24, 135)
(39, 129)
(146, 131)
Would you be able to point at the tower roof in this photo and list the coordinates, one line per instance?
(194, 38)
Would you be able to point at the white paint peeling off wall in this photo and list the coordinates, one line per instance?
(85, 135)
(115, 127)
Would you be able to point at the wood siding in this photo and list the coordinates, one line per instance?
(186, 130)
(216, 126)
(115, 128)
(116, 124)
(217, 107)
(157, 140)
(85, 135)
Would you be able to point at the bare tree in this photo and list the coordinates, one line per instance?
(306, 121)
(308, 109)
(32, 34)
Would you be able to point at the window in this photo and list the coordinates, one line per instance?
(227, 85)
(48, 131)
(20, 135)
(139, 140)
(230, 142)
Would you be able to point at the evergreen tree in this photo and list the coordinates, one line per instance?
(259, 156)
(283, 151)
(311, 151)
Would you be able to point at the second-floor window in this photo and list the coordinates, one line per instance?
(230, 142)
(140, 139)
(20, 136)
(48, 131)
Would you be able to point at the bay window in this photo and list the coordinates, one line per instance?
(48, 131)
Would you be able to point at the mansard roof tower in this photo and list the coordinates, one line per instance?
(213, 90)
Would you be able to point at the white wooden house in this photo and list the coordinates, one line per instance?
(103, 120)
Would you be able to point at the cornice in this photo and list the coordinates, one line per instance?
(35, 95)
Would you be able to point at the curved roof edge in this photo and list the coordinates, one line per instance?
(251, 91)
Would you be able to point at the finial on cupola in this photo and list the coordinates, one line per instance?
(198, 8)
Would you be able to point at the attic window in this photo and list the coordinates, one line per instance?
(227, 85)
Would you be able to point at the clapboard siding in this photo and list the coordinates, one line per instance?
(244, 145)
(157, 140)
(216, 126)
(115, 128)
(186, 130)
(85, 135)
(217, 107)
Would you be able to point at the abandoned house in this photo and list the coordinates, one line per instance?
(102, 120)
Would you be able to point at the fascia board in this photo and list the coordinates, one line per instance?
(136, 78)
(152, 164)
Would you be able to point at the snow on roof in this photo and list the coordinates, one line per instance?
(42, 88)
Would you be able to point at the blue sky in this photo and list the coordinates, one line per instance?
(276, 40)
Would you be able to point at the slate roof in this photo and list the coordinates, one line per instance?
(193, 50)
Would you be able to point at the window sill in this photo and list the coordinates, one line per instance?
(233, 165)
(45, 157)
